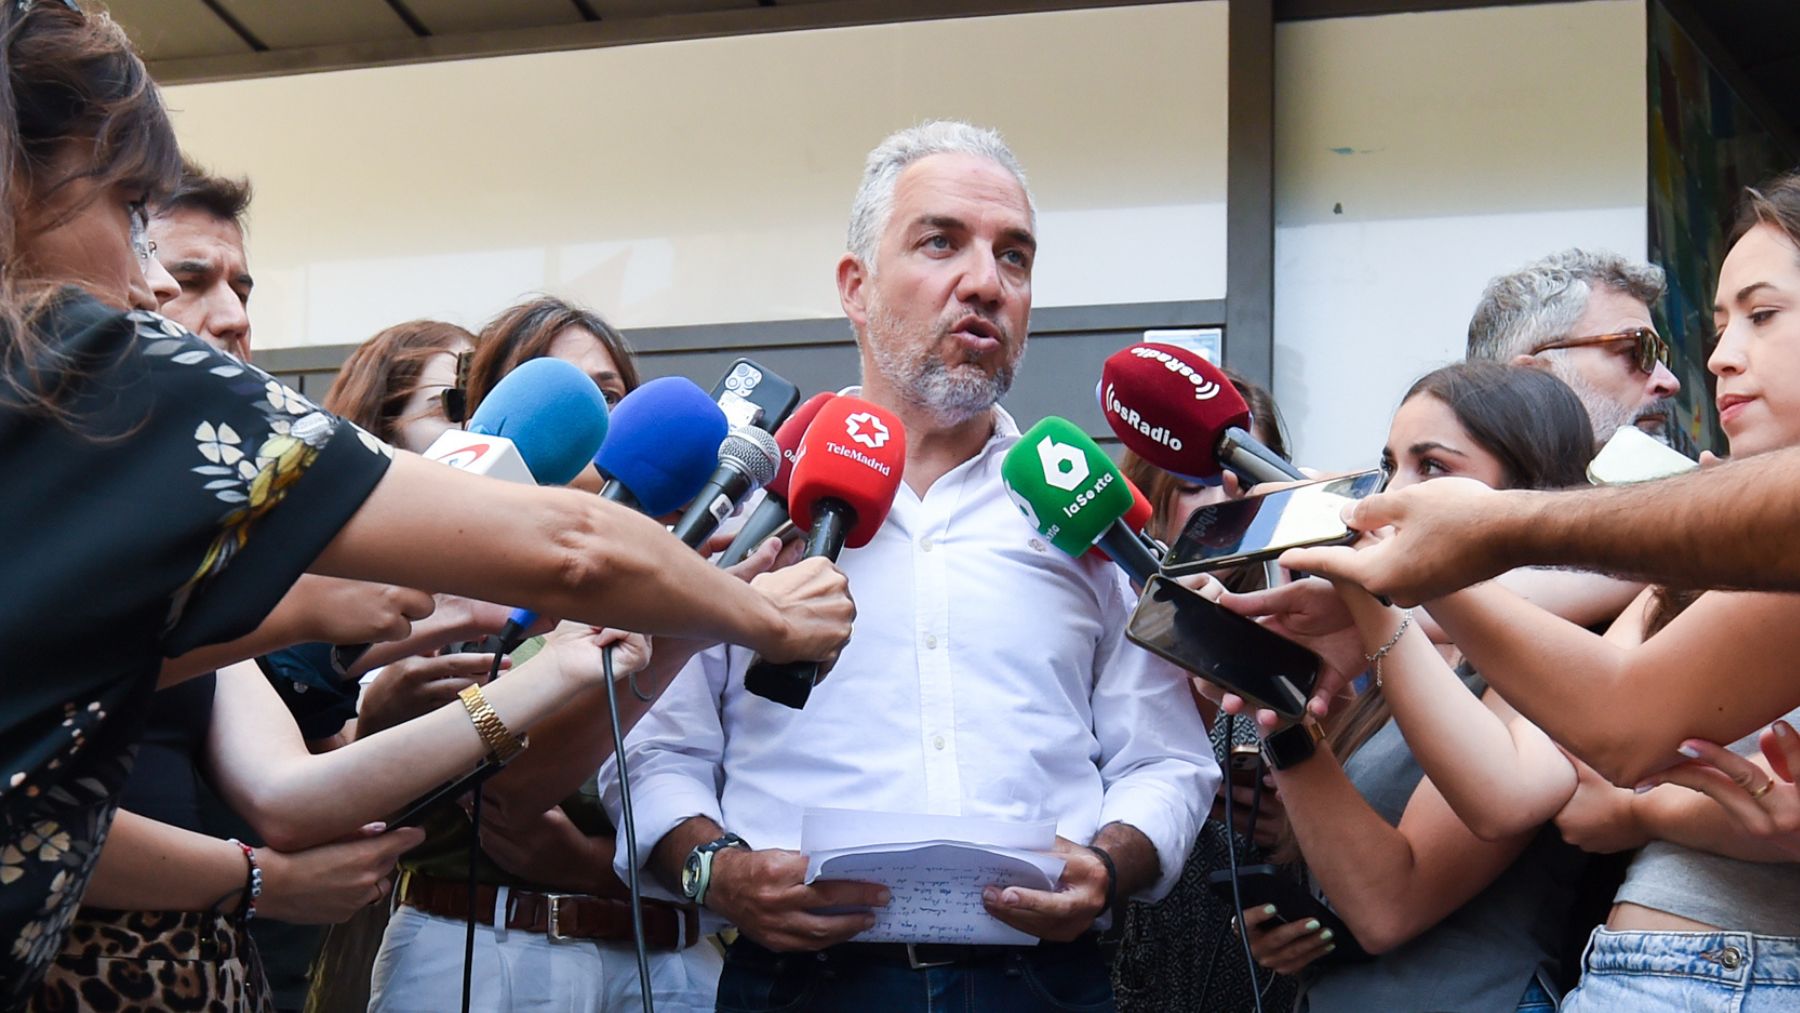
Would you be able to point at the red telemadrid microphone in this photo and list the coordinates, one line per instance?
(1181, 413)
(772, 512)
(845, 476)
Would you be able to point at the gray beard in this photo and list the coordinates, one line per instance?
(951, 394)
(1605, 414)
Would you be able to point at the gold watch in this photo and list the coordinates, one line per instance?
(502, 744)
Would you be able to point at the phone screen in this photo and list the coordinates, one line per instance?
(1265, 526)
(1223, 647)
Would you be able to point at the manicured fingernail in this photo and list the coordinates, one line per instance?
(1333, 946)
(377, 827)
(1688, 751)
(1325, 936)
(1644, 787)
(1783, 729)
(1268, 909)
(1312, 925)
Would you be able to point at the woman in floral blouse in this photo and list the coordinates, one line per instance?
(162, 497)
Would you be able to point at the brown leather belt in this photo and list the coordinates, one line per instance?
(559, 915)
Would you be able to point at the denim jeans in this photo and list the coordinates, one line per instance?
(1694, 972)
(1051, 976)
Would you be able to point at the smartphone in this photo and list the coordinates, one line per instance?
(1223, 647)
(1264, 884)
(1632, 455)
(1256, 528)
(753, 395)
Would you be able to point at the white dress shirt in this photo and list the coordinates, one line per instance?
(987, 675)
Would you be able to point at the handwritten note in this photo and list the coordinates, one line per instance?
(936, 883)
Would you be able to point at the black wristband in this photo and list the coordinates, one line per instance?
(1112, 879)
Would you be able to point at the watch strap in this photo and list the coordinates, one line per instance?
(703, 856)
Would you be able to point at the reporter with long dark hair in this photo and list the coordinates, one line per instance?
(1455, 920)
(175, 494)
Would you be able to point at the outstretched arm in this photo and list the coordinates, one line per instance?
(1726, 527)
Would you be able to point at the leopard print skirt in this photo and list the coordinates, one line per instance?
(130, 961)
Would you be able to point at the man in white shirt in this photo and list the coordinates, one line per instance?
(988, 676)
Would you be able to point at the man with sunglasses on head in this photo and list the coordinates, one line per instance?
(1585, 316)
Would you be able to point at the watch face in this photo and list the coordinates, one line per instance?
(690, 876)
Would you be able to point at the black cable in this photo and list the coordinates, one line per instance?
(474, 886)
(1237, 900)
(629, 825)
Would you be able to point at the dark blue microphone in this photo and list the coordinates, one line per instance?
(661, 448)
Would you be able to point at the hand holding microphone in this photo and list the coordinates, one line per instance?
(845, 476)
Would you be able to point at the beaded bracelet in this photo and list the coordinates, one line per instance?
(252, 880)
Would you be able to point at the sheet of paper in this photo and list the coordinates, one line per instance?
(936, 883)
(836, 829)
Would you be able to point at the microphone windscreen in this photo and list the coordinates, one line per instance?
(664, 443)
(1169, 406)
(854, 452)
(1064, 484)
(1137, 519)
(788, 438)
(552, 412)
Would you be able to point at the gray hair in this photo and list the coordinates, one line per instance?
(874, 203)
(1541, 301)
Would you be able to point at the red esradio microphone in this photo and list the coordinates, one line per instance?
(845, 476)
(772, 512)
(1181, 413)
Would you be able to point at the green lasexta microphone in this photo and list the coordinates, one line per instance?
(1074, 494)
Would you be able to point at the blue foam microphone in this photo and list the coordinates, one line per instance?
(661, 448)
(552, 413)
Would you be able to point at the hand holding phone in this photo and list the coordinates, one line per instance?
(1222, 647)
(1264, 525)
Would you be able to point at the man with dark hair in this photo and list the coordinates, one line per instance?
(197, 233)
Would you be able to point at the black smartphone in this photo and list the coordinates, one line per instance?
(443, 795)
(1260, 527)
(1223, 647)
(1264, 884)
(754, 395)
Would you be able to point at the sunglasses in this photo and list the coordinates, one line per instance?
(1649, 349)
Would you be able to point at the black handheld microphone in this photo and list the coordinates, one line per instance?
(747, 461)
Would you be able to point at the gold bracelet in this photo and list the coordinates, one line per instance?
(502, 744)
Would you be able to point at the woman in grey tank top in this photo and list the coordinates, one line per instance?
(1707, 916)
(1456, 921)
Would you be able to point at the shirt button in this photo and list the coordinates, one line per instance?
(937, 742)
(925, 543)
(931, 643)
